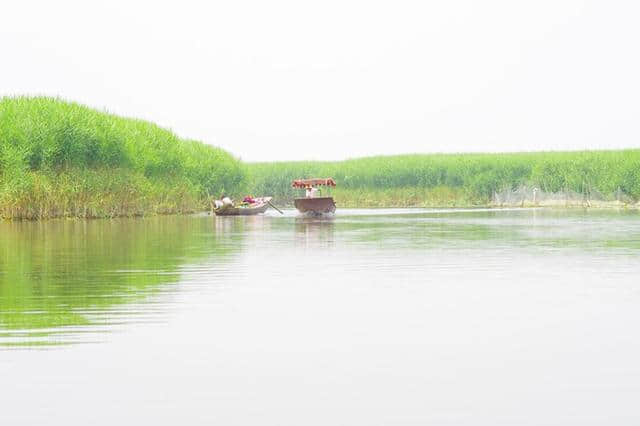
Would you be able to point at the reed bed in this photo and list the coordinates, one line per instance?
(60, 158)
(456, 179)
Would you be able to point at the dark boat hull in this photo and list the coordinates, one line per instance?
(315, 205)
(261, 207)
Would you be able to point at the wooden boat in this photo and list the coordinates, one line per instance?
(317, 205)
(260, 206)
(312, 204)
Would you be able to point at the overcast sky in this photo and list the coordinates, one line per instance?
(272, 80)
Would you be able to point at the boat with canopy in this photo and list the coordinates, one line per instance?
(312, 203)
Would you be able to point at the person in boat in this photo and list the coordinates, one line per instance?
(311, 192)
(223, 201)
(249, 200)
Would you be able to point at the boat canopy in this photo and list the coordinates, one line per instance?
(305, 183)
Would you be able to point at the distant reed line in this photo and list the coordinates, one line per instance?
(456, 179)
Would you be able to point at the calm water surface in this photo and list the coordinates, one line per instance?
(374, 317)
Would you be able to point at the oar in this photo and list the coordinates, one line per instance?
(269, 202)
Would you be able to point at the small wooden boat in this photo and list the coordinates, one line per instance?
(260, 206)
(311, 203)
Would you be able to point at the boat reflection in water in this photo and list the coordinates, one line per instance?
(315, 231)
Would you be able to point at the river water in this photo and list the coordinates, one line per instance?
(373, 317)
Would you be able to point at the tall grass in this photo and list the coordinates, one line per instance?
(60, 158)
(456, 179)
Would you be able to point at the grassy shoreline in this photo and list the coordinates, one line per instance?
(62, 159)
(465, 180)
(444, 197)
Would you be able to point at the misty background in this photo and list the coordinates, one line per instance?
(284, 80)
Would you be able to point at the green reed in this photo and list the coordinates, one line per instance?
(455, 179)
(60, 158)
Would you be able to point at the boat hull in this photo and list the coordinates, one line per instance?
(315, 205)
(260, 207)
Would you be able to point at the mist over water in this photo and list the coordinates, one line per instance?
(372, 317)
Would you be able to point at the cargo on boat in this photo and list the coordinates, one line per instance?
(313, 202)
(260, 205)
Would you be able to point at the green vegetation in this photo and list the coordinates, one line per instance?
(455, 179)
(60, 158)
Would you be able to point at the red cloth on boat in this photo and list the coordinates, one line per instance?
(249, 199)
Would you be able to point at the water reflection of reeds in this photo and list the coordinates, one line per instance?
(66, 281)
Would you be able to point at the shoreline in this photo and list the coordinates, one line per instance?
(611, 206)
(63, 159)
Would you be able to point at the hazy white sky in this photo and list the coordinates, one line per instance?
(271, 80)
